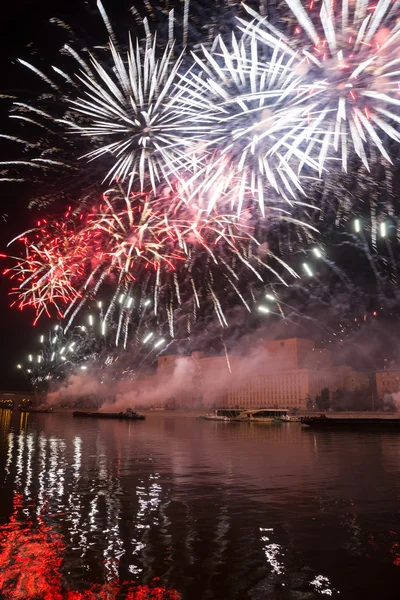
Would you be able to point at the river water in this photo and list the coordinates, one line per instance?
(175, 507)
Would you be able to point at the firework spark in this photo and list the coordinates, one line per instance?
(350, 64)
(134, 245)
(249, 110)
(134, 108)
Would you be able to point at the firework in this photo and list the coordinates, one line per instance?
(133, 246)
(350, 67)
(249, 112)
(131, 115)
(54, 259)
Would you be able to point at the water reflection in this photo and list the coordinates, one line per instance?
(215, 510)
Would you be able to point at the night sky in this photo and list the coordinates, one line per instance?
(21, 22)
(25, 22)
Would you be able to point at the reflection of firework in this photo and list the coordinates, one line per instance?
(351, 69)
(30, 559)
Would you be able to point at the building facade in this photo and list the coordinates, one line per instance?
(387, 381)
(286, 373)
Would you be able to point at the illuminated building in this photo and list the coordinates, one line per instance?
(387, 381)
(285, 373)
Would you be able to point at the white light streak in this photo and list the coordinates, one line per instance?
(263, 309)
(307, 269)
(357, 225)
(317, 252)
(383, 230)
(147, 338)
(159, 343)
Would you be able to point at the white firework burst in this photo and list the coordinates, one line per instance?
(351, 66)
(249, 112)
(132, 116)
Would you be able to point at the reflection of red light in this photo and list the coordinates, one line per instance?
(30, 558)
(110, 591)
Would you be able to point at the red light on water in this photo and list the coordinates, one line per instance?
(31, 554)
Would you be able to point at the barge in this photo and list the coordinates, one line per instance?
(329, 423)
(128, 415)
(30, 409)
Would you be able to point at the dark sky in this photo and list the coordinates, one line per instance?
(21, 21)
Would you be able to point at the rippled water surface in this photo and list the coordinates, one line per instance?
(176, 507)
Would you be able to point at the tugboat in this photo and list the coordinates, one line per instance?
(128, 415)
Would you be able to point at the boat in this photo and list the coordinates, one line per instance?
(290, 419)
(32, 409)
(329, 423)
(263, 415)
(242, 415)
(128, 415)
